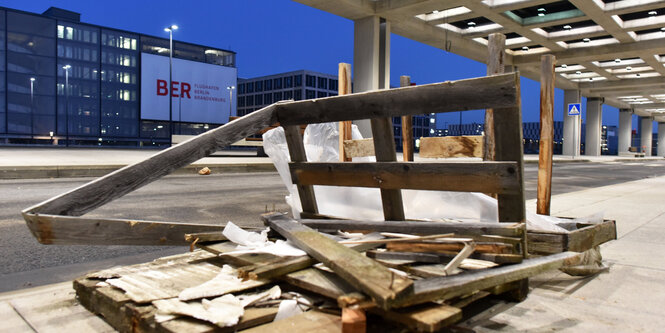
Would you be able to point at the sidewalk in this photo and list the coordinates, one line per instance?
(627, 299)
(29, 163)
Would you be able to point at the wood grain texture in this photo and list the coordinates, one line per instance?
(345, 129)
(496, 177)
(353, 320)
(297, 154)
(497, 91)
(586, 237)
(311, 321)
(424, 318)
(431, 246)
(407, 126)
(496, 55)
(384, 149)
(452, 146)
(118, 183)
(546, 134)
(439, 258)
(358, 148)
(70, 230)
(420, 228)
(361, 272)
(453, 286)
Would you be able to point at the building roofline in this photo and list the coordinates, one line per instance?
(302, 71)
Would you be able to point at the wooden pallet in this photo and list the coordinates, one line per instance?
(582, 237)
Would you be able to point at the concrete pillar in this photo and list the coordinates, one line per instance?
(646, 134)
(594, 121)
(371, 59)
(661, 139)
(625, 130)
(571, 142)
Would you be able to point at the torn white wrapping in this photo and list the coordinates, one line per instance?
(253, 242)
(225, 282)
(222, 311)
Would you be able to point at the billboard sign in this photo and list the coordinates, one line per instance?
(199, 90)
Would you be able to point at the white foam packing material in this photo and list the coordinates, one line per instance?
(322, 145)
(253, 242)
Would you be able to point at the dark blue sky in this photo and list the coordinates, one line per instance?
(272, 36)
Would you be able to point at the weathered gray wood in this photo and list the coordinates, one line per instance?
(496, 177)
(407, 126)
(345, 129)
(361, 272)
(116, 184)
(422, 228)
(310, 321)
(480, 93)
(496, 49)
(434, 246)
(384, 149)
(582, 239)
(453, 286)
(424, 318)
(297, 153)
(439, 258)
(69, 230)
(546, 134)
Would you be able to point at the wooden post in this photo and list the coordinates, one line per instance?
(495, 65)
(344, 87)
(297, 154)
(546, 133)
(407, 126)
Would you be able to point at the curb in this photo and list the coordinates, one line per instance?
(72, 171)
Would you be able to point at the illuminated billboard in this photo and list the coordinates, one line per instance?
(199, 90)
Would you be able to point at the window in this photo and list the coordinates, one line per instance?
(258, 100)
(249, 101)
(277, 83)
(321, 94)
(267, 84)
(288, 95)
(241, 88)
(310, 81)
(288, 82)
(250, 87)
(267, 98)
(277, 96)
(241, 101)
(30, 24)
(297, 81)
(297, 94)
(309, 94)
(258, 86)
(323, 83)
(332, 85)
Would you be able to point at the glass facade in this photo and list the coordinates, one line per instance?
(69, 83)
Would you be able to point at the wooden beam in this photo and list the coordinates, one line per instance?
(407, 126)
(363, 273)
(449, 287)
(116, 184)
(452, 146)
(297, 154)
(345, 129)
(496, 48)
(70, 230)
(420, 228)
(359, 148)
(433, 247)
(546, 134)
(440, 258)
(494, 177)
(498, 91)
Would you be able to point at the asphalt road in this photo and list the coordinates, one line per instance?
(202, 199)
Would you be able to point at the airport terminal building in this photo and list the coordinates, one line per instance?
(68, 83)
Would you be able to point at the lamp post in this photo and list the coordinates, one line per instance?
(32, 107)
(230, 88)
(66, 68)
(170, 29)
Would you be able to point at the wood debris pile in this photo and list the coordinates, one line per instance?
(375, 276)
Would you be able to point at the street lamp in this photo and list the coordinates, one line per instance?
(32, 107)
(170, 31)
(230, 88)
(66, 68)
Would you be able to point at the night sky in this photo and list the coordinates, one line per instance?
(274, 36)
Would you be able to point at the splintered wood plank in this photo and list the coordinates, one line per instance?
(69, 230)
(453, 286)
(424, 318)
(426, 246)
(452, 146)
(443, 257)
(495, 65)
(591, 236)
(311, 321)
(116, 184)
(251, 318)
(361, 272)
(407, 126)
(384, 149)
(345, 129)
(320, 282)
(297, 154)
(358, 148)
(421, 228)
(498, 177)
(547, 78)
(479, 93)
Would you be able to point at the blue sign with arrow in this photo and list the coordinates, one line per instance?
(574, 109)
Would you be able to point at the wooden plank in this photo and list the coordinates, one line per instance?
(384, 149)
(311, 321)
(68, 230)
(431, 246)
(454, 286)
(251, 318)
(452, 146)
(496, 50)
(116, 184)
(419, 228)
(546, 134)
(498, 177)
(424, 318)
(497, 91)
(359, 271)
(297, 154)
(345, 128)
(591, 236)
(358, 148)
(353, 320)
(546, 243)
(407, 126)
(438, 258)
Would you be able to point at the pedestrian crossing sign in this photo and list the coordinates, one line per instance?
(574, 109)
